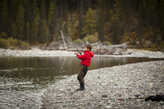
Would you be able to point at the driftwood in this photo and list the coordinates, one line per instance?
(119, 49)
(98, 48)
(123, 46)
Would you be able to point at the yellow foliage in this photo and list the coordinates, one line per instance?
(91, 38)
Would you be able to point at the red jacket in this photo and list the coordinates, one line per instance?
(86, 58)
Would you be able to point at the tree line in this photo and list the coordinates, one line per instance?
(115, 21)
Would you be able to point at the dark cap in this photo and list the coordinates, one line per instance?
(89, 47)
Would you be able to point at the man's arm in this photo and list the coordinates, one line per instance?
(81, 56)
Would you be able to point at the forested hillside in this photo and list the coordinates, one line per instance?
(139, 22)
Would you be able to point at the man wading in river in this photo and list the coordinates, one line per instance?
(85, 62)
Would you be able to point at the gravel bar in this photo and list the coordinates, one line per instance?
(118, 87)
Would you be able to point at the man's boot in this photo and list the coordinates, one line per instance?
(81, 87)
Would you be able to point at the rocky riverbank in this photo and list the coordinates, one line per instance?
(119, 87)
(19, 100)
(35, 52)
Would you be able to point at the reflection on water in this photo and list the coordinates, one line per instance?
(25, 73)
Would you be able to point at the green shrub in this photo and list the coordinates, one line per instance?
(4, 43)
(23, 45)
(91, 38)
(13, 42)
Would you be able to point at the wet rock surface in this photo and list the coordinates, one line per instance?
(118, 87)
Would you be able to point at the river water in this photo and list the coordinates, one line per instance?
(33, 73)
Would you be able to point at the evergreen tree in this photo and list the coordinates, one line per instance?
(14, 30)
(72, 26)
(13, 8)
(44, 29)
(44, 32)
(90, 22)
(4, 16)
(43, 9)
(20, 22)
(81, 20)
(51, 19)
(28, 32)
(35, 22)
(100, 19)
(41, 20)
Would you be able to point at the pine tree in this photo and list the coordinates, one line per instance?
(51, 12)
(35, 22)
(14, 30)
(43, 9)
(20, 22)
(51, 19)
(44, 29)
(81, 20)
(28, 32)
(4, 16)
(13, 8)
(72, 26)
(100, 19)
(44, 32)
(90, 22)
